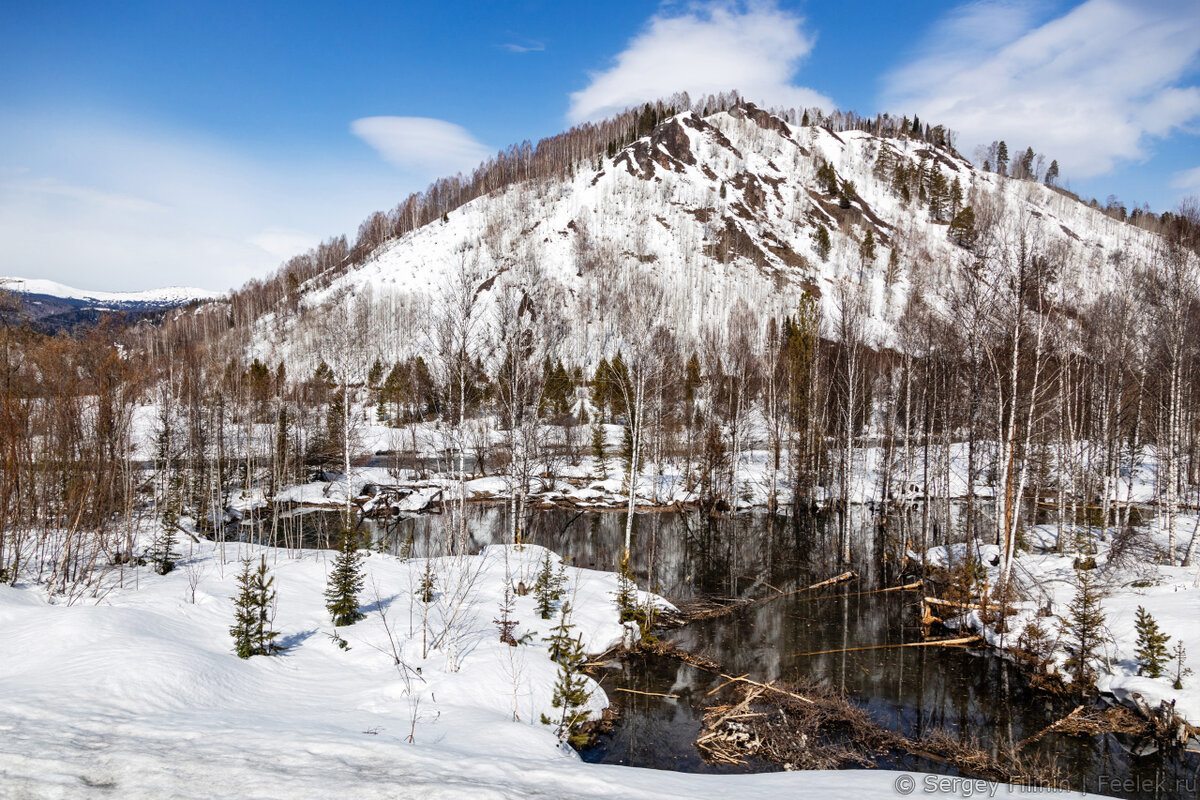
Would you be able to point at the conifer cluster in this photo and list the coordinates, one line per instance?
(254, 612)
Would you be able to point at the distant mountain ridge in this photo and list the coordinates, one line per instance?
(52, 306)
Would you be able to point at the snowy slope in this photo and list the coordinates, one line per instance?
(714, 212)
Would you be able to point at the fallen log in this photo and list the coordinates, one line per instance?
(647, 694)
(935, 601)
(964, 640)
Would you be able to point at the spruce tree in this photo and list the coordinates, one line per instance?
(1083, 630)
(1052, 173)
(893, 267)
(962, 228)
(866, 248)
(162, 552)
(345, 582)
(545, 589)
(570, 689)
(691, 383)
(1151, 653)
(628, 609)
(375, 374)
(600, 388)
(505, 622)
(162, 548)
(598, 449)
(427, 589)
(822, 242)
(243, 614)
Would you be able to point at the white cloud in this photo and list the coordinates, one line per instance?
(420, 145)
(1089, 88)
(711, 48)
(1187, 180)
(104, 204)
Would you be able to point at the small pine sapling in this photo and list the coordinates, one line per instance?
(570, 688)
(162, 552)
(1035, 648)
(1151, 653)
(545, 589)
(345, 582)
(505, 621)
(427, 590)
(1180, 669)
(561, 581)
(1083, 630)
(243, 614)
(162, 549)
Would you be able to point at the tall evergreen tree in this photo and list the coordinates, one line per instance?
(345, 582)
(962, 228)
(598, 451)
(821, 242)
(866, 248)
(1052, 173)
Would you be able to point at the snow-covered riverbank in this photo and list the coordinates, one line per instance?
(138, 694)
(1138, 578)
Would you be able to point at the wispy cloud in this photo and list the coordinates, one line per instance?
(1092, 87)
(1188, 180)
(524, 47)
(709, 48)
(420, 145)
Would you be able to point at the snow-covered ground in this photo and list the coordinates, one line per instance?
(137, 693)
(1170, 593)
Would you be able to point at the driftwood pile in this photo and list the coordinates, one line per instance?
(816, 729)
(1140, 722)
(807, 725)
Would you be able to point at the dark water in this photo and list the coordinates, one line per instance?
(977, 696)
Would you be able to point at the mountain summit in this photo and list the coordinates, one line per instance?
(706, 211)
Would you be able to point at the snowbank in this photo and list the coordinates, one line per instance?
(140, 696)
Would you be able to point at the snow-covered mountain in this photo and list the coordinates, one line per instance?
(715, 211)
(51, 305)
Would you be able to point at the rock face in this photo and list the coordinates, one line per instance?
(706, 213)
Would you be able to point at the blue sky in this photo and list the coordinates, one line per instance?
(144, 144)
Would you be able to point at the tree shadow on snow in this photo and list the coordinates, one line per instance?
(380, 604)
(294, 640)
